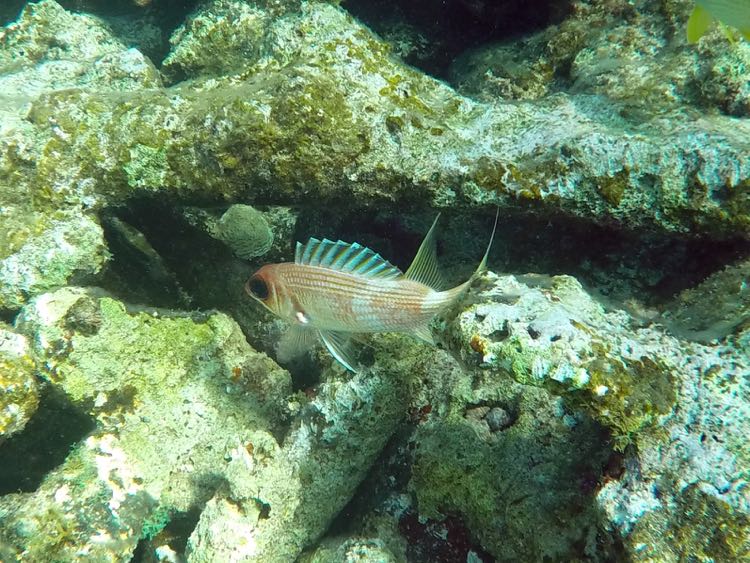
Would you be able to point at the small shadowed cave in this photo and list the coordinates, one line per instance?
(430, 34)
(27, 457)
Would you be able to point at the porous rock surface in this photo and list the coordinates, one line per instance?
(607, 435)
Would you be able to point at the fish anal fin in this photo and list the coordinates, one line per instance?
(339, 344)
(295, 342)
(424, 334)
(697, 24)
(424, 268)
(345, 257)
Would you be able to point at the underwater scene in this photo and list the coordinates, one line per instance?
(391, 281)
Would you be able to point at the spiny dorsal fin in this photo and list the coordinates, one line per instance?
(344, 257)
(424, 267)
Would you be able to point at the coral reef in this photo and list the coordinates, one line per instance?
(171, 397)
(564, 419)
(245, 230)
(19, 395)
(660, 397)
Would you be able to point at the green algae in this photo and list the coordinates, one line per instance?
(627, 396)
(612, 188)
(19, 397)
(454, 473)
(700, 525)
(147, 167)
(169, 346)
(155, 523)
(500, 482)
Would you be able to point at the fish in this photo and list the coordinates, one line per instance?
(729, 13)
(334, 291)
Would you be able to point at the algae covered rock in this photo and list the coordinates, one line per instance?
(549, 332)
(283, 498)
(171, 396)
(49, 48)
(354, 549)
(666, 397)
(634, 54)
(503, 483)
(716, 308)
(48, 235)
(19, 396)
(67, 247)
(224, 37)
(326, 114)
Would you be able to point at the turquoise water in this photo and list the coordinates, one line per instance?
(169, 393)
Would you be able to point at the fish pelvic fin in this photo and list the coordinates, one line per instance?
(697, 24)
(424, 268)
(295, 342)
(340, 346)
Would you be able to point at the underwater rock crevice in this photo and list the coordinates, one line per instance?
(429, 34)
(44, 443)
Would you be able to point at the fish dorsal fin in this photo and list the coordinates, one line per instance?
(344, 257)
(424, 267)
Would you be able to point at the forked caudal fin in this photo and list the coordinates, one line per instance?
(429, 271)
(453, 294)
(483, 264)
(424, 267)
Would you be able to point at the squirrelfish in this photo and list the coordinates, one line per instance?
(334, 290)
(731, 13)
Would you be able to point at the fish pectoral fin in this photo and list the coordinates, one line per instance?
(424, 268)
(698, 23)
(295, 342)
(424, 334)
(340, 346)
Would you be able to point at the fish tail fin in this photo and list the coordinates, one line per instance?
(482, 268)
(441, 300)
(455, 293)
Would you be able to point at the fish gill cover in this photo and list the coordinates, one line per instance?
(587, 400)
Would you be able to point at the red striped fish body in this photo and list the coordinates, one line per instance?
(335, 289)
(342, 301)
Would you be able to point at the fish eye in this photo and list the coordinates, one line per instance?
(257, 287)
